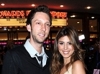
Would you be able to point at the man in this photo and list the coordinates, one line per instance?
(23, 59)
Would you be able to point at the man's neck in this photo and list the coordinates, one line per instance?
(37, 46)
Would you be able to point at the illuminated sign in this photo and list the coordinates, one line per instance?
(24, 14)
(62, 15)
(22, 22)
(14, 14)
(18, 18)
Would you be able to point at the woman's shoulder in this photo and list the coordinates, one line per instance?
(78, 65)
(69, 71)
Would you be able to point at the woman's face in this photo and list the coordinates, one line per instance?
(65, 47)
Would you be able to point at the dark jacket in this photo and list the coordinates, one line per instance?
(18, 61)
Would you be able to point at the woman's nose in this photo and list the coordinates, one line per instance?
(65, 46)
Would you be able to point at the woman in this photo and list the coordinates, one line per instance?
(67, 55)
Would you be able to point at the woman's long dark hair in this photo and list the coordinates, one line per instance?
(57, 60)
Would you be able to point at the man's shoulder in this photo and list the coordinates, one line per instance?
(16, 49)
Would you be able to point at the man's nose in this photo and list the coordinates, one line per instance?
(43, 27)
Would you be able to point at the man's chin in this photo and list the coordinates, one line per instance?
(41, 41)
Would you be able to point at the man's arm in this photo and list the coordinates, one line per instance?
(9, 66)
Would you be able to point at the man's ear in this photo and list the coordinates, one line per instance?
(28, 28)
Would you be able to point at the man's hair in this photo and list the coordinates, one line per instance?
(40, 8)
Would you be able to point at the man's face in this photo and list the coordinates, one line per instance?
(40, 27)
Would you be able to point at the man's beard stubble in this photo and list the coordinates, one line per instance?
(36, 40)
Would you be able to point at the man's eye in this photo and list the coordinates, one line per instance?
(48, 24)
(37, 22)
(61, 43)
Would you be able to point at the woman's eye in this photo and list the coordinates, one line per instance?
(69, 43)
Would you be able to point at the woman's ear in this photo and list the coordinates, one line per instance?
(28, 28)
